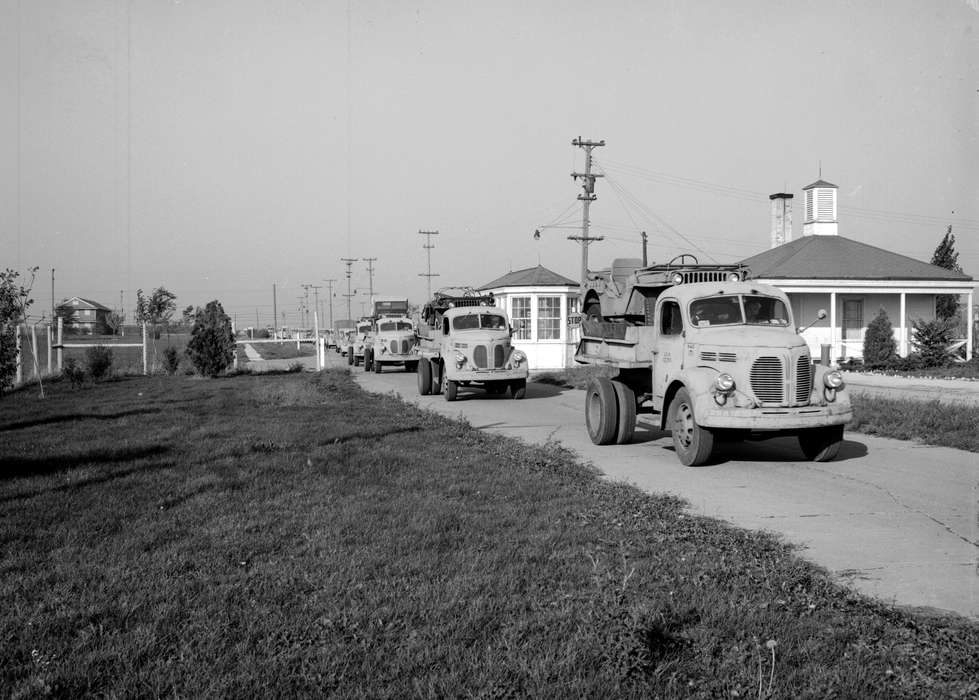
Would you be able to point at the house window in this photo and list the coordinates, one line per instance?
(520, 314)
(548, 318)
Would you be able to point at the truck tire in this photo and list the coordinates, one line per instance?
(601, 412)
(518, 388)
(411, 366)
(626, 401)
(438, 372)
(368, 360)
(424, 377)
(350, 355)
(693, 443)
(821, 444)
(451, 390)
(378, 367)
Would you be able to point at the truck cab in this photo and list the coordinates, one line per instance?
(395, 344)
(465, 342)
(718, 356)
(360, 339)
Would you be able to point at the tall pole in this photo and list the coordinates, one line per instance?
(645, 240)
(306, 304)
(52, 295)
(349, 295)
(275, 314)
(428, 247)
(587, 197)
(316, 296)
(330, 283)
(370, 280)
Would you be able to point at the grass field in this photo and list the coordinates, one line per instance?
(291, 535)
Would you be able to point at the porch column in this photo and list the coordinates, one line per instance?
(832, 327)
(970, 325)
(903, 337)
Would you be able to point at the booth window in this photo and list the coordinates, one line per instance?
(548, 318)
(521, 318)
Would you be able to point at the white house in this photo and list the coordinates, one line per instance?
(850, 279)
(542, 306)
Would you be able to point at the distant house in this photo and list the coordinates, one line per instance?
(850, 279)
(88, 316)
(542, 306)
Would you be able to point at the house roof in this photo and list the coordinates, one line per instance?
(837, 257)
(819, 183)
(538, 276)
(86, 304)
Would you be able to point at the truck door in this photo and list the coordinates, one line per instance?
(668, 348)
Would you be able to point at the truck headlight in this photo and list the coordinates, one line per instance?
(724, 383)
(460, 360)
(833, 380)
(517, 357)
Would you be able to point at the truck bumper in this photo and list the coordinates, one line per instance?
(488, 375)
(710, 415)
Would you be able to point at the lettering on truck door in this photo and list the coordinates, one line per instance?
(668, 348)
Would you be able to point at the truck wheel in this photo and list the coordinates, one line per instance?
(424, 378)
(693, 444)
(368, 360)
(350, 356)
(518, 388)
(451, 390)
(626, 400)
(821, 444)
(601, 413)
(378, 367)
(411, 366)
(438, 372)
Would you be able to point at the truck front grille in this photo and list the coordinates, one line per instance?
(803, 379)
(768, 380)
(481, 357)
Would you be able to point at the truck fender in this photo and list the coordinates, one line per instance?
(840, 396)
(698, 381)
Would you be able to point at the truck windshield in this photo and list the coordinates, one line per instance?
(471, 321)
(395, 326)
(750, 309)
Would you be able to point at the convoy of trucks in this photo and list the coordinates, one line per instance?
(393, 341)
(715, 354)
(465, 341)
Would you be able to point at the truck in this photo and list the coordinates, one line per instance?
(465, 341)
(716, 355)
(359, 341)
(394, 341)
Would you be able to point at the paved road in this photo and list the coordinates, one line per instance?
(896, 520)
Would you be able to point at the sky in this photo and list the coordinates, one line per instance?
(223, 148)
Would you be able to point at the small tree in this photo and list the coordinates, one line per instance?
(14, 302)
(878, 341)
(99, 361)
(188, 315)
(931, 340)
(945, 256)
(212, 343)
(114, 321)
(67, 313)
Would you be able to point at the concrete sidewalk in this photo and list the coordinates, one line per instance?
(951, 391)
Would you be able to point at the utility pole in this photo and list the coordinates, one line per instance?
(52, 295)
(370, 278)
(316, 300)
(330, 282)
(275, 314)
(306, 304)
(587, 197)
(349, 295)
(428, 247)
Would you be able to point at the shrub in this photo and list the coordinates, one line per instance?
(212, 344)
(878, 341)
(99, 361)
(171, 360)
(72, 372)
(931, 340)
(910, 363)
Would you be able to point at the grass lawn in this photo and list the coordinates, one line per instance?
(284, 350)
(291, 535)
(927, 422)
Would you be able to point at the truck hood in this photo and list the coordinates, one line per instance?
(746, 337)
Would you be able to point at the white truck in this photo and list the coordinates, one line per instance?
(715, 354)
(359, 341)
(394, 341)
(465, 341)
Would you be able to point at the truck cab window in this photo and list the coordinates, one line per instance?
(670, 320)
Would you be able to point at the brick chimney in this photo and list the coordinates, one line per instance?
(781, 218)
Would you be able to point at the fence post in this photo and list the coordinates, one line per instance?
(61, 328)
(35, 364)
(145, 368)
(19, 377)
(50, 343)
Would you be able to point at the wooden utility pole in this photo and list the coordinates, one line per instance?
(330, 283)
(428, 247)
(275, 314)
(349, 295)
(370, 281)
(587, 197)
(306, 288)
(316, 298)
